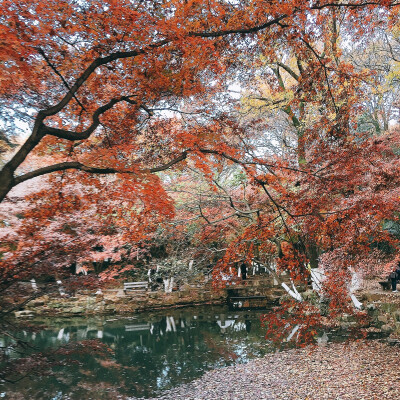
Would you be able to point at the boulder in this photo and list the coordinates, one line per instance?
(23, 314)
(387, 328)
(77, 310)
(396, 315)
(383, 318)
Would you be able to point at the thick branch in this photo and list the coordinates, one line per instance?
(351, 5)
(253, 29)
(239, 212)
(168, 165)
(71, 135)
(288, 70)
(91, 68)
(64, 166)
(94, 170)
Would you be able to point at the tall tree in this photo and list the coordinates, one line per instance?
(129, 89)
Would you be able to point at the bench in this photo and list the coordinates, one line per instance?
(385, 285)
(137, 286)
(136, 328)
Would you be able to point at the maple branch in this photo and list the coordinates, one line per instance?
(288, 70)
(277, 20)
(278, 209)
(253, 29)
(133, 53)
(142, 106)
(319, 58)
(64, 166)
(94, 170)
(53, 67)
(202, 215)
(71, 135)
(391, 49)
(268, 101)
(259, 162)
(7, 178)
(167, 165)
(14, 181)
(241, 212)
(299, 66)
(218, 220)
(352, 5)
(91, 68)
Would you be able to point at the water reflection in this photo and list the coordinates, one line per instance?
(150, 352)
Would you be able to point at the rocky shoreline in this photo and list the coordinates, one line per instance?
(116, 301)
(112, 302)
(383, 308)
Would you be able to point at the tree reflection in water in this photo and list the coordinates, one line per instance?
(149, 352)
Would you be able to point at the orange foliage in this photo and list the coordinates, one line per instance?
(121, 91)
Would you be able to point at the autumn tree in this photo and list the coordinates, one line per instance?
(128, 61)
(114, 92)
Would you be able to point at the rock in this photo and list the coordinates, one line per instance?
(348, 325)
(387, 328)
(375, 297)
(383, 318)
(308, 294)
(348, 318)
(396, 315)
(23, 314)
(77, 310)
(373, 329)
(36, 303)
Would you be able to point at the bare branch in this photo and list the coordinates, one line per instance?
(53, 67)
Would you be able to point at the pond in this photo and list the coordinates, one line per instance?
(148, 352)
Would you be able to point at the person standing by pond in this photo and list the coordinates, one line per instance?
(393, 277)
(398, 270)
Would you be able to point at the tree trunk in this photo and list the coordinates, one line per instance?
(6, 182)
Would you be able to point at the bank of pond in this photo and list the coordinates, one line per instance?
(143, 354)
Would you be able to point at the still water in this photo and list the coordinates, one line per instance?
(148, 352)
